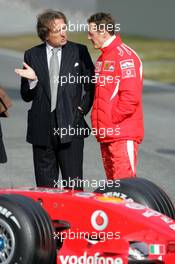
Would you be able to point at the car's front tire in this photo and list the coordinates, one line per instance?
(26, 232)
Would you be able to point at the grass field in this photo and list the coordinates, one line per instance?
(158, 56)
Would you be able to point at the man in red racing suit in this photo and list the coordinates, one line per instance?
(117, 117)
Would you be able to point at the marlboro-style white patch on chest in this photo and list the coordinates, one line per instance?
(127, 68)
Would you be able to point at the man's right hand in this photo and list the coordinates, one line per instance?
(27, 72)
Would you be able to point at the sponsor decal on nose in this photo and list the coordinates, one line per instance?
(99, 220)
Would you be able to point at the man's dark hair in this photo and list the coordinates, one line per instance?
(44, 22)
(103, 21)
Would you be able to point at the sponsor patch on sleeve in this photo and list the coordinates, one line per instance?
(127, 68)
(109, 66)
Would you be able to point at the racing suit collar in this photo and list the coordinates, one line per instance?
(116, 42)
(109, 41)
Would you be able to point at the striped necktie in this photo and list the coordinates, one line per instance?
(54, 75)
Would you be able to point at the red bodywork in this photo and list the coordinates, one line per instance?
(111, 224)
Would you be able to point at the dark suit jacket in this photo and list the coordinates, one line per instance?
(3, 157)
(75, 61)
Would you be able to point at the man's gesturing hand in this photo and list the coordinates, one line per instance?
(27, 72)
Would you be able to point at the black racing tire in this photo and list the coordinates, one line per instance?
(141, 191)
(27, 236)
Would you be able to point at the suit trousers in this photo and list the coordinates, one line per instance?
(3, 156)
(68, 157)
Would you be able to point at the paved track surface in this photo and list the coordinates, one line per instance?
(156, 154)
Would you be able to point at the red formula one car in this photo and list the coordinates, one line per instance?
(56, 226)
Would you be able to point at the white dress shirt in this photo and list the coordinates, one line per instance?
(49, 48)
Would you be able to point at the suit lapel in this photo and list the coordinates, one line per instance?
(67, 56)
(44, 71)
(65, 69)
(67, 61)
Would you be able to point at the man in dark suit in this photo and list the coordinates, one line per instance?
(57, 79)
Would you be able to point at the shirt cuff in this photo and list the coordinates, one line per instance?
(32, 84)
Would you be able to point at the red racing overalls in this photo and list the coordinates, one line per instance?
(117, 116)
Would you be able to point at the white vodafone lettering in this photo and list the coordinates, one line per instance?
(85, 259)
(63, 259)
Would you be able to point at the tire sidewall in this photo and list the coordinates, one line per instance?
(22, 230)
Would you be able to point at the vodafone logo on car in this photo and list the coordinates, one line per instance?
(85, 259)
(99, 220)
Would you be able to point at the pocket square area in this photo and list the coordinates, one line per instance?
(76, 64)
